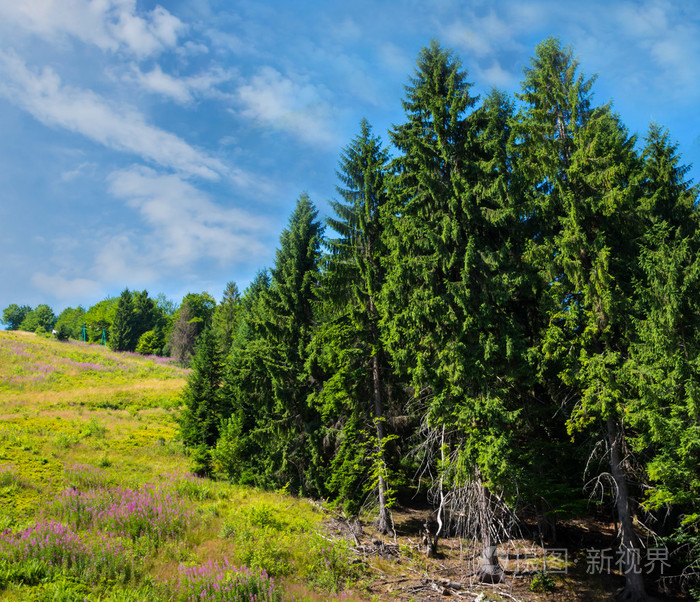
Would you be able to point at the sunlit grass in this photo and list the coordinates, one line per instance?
(38, 356)
(97, 503)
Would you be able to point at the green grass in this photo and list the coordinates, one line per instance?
(90, 461)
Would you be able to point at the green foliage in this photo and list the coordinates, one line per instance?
(202, 400)
(93, 429)
(183, 337)
(100, 317)
(131, 491)
(222, 582)
(201, 463)
(62, 333)
(225, 318)
(70, 322)
(266, 378)
(557, 104)
(14, 315)
(455, 299)
(347, 346)
(9, 477)
(26, 572)
(239, 453)
(135, 315)
(150, 343)
(41, 319)
(513, 292)
(188, 322)
(661, 374)
(269, 535)
(121, 333)
(201, 305)
(542, 582)
(582, 167)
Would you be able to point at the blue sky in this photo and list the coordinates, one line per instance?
(163, 146)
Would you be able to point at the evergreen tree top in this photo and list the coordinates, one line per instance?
(553, 87)
(437, 98)
(299, 243)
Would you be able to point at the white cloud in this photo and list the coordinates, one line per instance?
(495, 75)
(183, 90)
(85, 266)
(481, 37)
(396, 60)
(484, 42)
(180, 227)
(65, 287)
(186, 225)
(484, 35)
(123, 258)
(109, 24)
(643, 21)
(116, 126)
(295, 106)
(190, 48)
(644, 46)
(347, 30)
(659, 40)
(82, 168)
(226, 41)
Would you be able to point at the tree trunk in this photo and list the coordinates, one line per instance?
(441, 509)
(489, 570)
(629, 543)
(384, 520)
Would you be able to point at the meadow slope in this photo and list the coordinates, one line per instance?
(96, 501)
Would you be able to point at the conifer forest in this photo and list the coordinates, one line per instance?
(501, 318)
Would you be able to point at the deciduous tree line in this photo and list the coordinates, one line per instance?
(134, 321)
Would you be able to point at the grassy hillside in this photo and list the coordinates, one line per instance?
(96, 501)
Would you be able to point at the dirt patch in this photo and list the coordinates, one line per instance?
(397, 567)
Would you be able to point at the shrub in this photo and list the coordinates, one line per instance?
(27, 572)
(192, 487)
(93, 429)
(542, 582)
(269, 537)
(149, 343)
(62, 332)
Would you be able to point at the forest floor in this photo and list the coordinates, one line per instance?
(398, 568)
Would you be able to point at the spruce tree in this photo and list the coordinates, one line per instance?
(146, 316)
(663, 368)
(580, 165)
(289, 324)
(121, 333)
(349, 343)
(202, 399)
(450, 230)
(225, 318)
(242, 451)
(279, 331)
